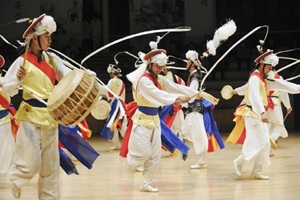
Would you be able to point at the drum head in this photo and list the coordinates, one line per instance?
(101, 110)
(226, 92)
(65, 87)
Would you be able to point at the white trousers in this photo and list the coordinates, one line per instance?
(257, 143)
(193, 129)
(7, 146)
(144, 148)
(37, 153)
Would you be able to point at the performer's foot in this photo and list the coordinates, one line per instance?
(148, 188)
(184, 157)
(114, 148)
(139, 168)
(237, 168)
(259, 175)
(16, 192)
(198, 166)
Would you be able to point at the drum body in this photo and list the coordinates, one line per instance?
(73, 97)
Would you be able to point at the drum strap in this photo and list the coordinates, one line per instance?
(42, 65)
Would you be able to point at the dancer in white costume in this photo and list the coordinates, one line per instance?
(257, 146)
(117, 86)
(7, 141)
(145, 139)
(179, 117)
(275, 113)
(193, 128)
(36, 150)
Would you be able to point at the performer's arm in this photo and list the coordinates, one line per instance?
(12, 80)
(254, 95)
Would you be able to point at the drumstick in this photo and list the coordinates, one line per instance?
(285, 116)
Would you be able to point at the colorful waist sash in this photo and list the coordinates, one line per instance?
(148, 110)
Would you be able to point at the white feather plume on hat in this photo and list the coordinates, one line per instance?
(220, 35)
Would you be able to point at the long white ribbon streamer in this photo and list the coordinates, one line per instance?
(178, 29)
(234, 45)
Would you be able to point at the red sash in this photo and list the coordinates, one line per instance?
(179, 80)
(154, 80)
(270, 100)
(260, 77)
(121, 91)
(43, 66)
(3, 102)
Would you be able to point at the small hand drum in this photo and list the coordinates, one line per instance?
(226, 92)
(101, 109)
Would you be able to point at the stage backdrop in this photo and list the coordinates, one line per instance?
(67, 14)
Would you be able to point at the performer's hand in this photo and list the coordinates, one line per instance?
(289, 110)
(234, 92)
(180, 100)
(21, 73)
(199, 96)
(264, 117)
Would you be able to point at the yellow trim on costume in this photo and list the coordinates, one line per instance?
(35, 114)
(238, 129)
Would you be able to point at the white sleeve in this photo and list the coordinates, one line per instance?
(285, 99)
(149, 91)
(241, 91)
(10, 83)
(283, 85)
(174, 88)
(61, 69)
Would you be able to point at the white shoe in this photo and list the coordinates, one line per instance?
(259, 175)
(197, 166)
(16, 192)
(139, 168)
(148, 188)
(237, 168)
(114, 148)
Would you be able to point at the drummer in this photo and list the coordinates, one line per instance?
(36, 71)
(117, 86)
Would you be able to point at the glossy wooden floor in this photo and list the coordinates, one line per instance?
(109, 179)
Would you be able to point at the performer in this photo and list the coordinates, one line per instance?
(274, 111)
(193, 128)
(256, 145)
(117, 86)
(36, 144)
(150, 90)
(175, 116)
(7, 141)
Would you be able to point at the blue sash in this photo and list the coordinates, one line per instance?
(148, 110)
